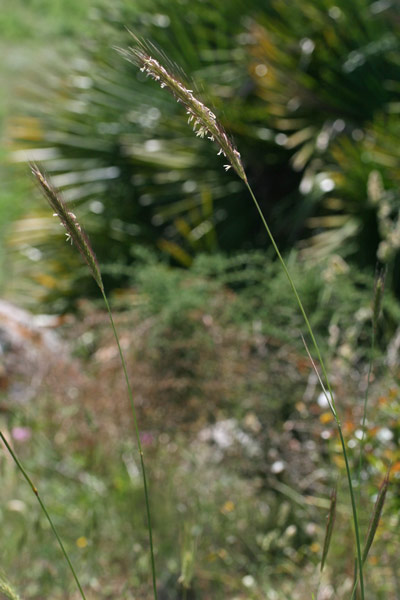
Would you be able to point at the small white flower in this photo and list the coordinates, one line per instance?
(278, 466)
(384, 435)
(248, 581)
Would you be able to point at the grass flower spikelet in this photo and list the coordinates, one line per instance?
(74, 232)
(204, 121)
(7, 590)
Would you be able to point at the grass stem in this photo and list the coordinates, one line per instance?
(364, 418)
(145, 485)
(45, 511)
(332, 400)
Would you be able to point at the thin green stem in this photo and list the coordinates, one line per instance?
(145, 486)
(364, 419)
(353, 594)
(44, 509)
(324, 371)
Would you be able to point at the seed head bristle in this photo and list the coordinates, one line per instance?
(204, 121)
(74, 232)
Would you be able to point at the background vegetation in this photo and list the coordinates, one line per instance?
(241, 448)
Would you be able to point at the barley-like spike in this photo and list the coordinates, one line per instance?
(329, 527)
(7, 590)
(376, 515)
(205, 121)
(74, 232)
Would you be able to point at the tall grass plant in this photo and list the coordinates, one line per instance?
(206, 124)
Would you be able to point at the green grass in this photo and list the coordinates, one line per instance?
(248, 522)
(245, 523)
(44, 21)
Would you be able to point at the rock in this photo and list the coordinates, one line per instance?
(28, 350)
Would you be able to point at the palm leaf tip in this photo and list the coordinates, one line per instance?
(204, 121)
(74, 231)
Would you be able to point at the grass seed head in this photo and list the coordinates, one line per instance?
(74, 232)
(7, 590)
(203, 120)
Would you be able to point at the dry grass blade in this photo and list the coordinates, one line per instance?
(45, 512)
(376, 515)
(74, 231)
(204, 121)
(329, 527)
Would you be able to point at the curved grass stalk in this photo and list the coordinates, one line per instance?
(137, 433)
(206, 124)
(46, 513)
(77, 235)
(364, 417)
(376, 308)
(330, 399)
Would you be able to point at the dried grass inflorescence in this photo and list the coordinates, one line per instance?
(203, 119)
(7, 591)
(376, 515)
(74, 231)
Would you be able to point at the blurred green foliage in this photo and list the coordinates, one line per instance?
(112, 146)
(30, 31)
(330, 88)
(236, 444)
(33, 19)
(309, 91)
(306, 91)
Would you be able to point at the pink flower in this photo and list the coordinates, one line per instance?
(147, 438)
(21, 434)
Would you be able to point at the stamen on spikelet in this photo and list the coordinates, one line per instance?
(205, 123)
(74, 232)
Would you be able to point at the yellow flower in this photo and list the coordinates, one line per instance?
(82, 542)
(228, 507)
(326, 417)
(315, 547)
